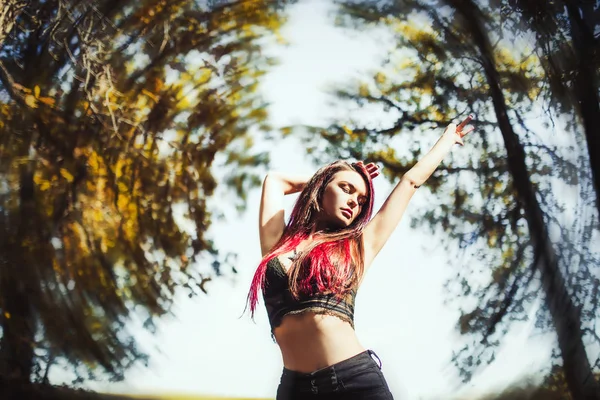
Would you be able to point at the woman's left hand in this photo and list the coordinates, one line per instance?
(457, 132)
(372, 169)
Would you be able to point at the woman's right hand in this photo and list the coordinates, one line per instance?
(372, 169)
(457, 132)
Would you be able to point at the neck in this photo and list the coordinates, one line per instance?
(317, 228)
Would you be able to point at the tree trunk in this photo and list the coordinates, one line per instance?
(16, 350)
(18, 324)
(565, 315)
(17, 319)
(586, 87)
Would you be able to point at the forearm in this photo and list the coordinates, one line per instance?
(290, 183)
(423, 169)
(389, 215)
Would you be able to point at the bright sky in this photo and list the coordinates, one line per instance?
(208, 349)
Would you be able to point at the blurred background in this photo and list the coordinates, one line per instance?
(134, 137)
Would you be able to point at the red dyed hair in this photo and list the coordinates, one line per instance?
(333, 261)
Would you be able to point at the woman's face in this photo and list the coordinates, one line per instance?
(343, 198)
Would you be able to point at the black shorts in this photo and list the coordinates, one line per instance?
(357, 378)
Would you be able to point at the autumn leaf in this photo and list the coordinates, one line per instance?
(31, 101)
(67, 175)
(47, 100)
(44, 185)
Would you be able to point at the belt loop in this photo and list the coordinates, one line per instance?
(334, 380)
(372, 353)
(313, 386)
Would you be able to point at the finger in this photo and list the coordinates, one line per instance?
(468, 130)
(464, 122)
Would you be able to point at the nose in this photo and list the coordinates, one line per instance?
(352, 203)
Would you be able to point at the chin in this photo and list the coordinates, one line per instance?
(345, 222)
(339, 223)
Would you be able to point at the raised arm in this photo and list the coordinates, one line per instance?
(381, 226)
(271, 219)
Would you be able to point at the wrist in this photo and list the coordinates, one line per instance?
(448, 137)
(291, 183)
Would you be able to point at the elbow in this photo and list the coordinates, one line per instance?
(274, 175)
(270, 177)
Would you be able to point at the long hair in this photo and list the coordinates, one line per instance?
(333, 261)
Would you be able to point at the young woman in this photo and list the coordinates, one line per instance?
(312, 268)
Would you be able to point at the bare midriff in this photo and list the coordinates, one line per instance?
(310, 341)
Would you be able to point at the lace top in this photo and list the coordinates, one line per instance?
(280, 302)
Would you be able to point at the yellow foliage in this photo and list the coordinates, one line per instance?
(405, 64)
(49, 101)
(414, 32)
(31, 101)
(67, 175)
(122, 202)
(509, 253)
(533, 93)
(347, 130)
(380, 78)
(113, 137)
(504, 57)
(363, 90)
(38, 178)
(44, 185)
(142, 101)
(93, 161)
(204, 75)
(498, 187)
(97, 215)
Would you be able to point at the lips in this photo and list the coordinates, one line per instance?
(347, 212)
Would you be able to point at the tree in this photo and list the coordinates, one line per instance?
(452, 59)
(112, 115)
(564, 313)
(570, 66)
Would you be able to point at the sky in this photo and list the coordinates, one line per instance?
(208, 349)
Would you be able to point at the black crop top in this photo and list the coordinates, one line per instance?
(280, 302)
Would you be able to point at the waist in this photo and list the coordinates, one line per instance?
(357, 373)
(364, 359)
(311, 341)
